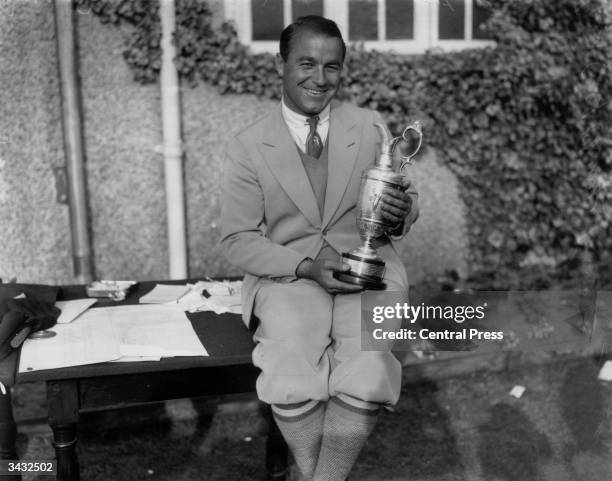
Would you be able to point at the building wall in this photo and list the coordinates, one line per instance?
(34, 229)
(124, 170)
(124, 164)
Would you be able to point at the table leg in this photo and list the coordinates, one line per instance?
(8, 432)
(277, 451)
(63, 406)
(64, 442)
(8, 428)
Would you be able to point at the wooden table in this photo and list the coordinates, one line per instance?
(227, 370)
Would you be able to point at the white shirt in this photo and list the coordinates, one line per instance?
(299, 128)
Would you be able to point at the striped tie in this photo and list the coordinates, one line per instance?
(314, 146)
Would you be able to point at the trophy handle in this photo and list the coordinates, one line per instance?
(407, 159)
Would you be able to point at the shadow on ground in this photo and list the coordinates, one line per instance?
(463, 429)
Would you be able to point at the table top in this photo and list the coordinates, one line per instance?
(225, 337)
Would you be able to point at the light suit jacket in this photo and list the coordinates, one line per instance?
(270, 217)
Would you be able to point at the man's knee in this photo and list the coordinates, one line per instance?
(373, 376)
(291, 372)
(299, 311)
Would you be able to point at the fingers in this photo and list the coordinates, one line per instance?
(396, 197)
(350, 288)
(337, 286)
(406, 184)
(395, 209)
(333, 285)
(335, 265)
(340, 287)
(392, 220)
(407, 187)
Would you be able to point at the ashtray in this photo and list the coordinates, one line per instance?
(115, 290)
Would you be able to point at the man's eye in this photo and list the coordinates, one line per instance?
(306, 65)
(333, 68)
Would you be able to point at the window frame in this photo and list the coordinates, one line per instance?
(425, 28)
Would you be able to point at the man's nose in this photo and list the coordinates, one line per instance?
(319, 77)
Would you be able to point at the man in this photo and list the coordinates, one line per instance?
(289, 210)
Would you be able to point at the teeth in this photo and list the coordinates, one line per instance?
(316, 92)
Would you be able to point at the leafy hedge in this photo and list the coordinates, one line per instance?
(525, 125)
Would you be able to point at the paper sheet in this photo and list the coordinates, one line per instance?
(605, 374)
(219, 305)
(84, 341)
(136, 359)
(141, 332)
(163, 326)
(73, 309)
(223, 296)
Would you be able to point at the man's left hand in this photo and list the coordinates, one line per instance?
(396, 205)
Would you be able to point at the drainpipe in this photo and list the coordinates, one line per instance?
(173, 153)
(73, 140)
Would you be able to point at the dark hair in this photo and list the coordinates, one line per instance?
(310, 23)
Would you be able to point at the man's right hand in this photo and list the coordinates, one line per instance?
(322, 272)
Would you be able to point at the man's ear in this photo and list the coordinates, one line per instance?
(279, 63)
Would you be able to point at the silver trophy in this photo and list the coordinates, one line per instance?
(367, 268)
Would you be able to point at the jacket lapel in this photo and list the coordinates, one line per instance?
(280, 153)
(343, 141)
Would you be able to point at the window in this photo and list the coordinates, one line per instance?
(451, 19)
(399, 18)
(306, 7)
(267, 19)
(460, 23)
(406, 26)
(363, 20)
(480, 15)
(377, 20)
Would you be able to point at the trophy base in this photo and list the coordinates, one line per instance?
(368, 283)
(367, 269)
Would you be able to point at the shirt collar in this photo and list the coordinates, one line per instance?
(296, 120)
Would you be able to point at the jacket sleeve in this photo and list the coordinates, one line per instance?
(243, 237)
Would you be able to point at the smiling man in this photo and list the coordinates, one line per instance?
(289, 209)
(310, 67)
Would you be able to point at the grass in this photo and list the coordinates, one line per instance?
(466, 428)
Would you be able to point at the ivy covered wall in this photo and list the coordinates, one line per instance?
(524, 125)
(124, 166)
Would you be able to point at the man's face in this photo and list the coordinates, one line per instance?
(311, 74)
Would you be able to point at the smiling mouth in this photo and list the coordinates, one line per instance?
(316, 93)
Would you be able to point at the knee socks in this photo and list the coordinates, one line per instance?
(348, 424)
(302, 427)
